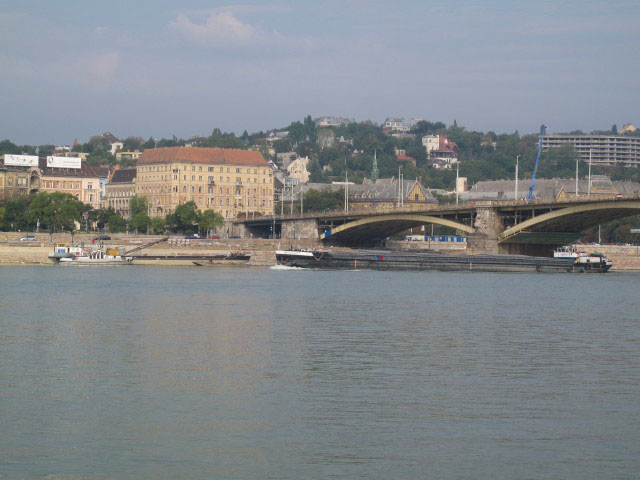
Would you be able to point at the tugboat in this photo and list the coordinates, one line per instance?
(110, 256)
(584, 262)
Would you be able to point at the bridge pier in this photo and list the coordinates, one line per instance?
(488, 229)
(306, 228)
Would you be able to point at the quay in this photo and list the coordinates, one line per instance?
(180, 251)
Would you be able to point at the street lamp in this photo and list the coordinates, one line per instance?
(517, 161)
(400, 199)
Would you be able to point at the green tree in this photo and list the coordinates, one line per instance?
(185, 218)
(321, 200)
(56, 209)
(209, 220)
(15, 214)
(158, 225)
(116, 224)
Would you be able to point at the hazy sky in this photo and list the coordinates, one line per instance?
(73, 69)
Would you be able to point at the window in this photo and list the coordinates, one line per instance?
(199, 178)
(193, 189)
(193, 168)
(175, 177)
(416, 197)
(221, 170)
(184, 189)
(193, 177)
(210, 169)
(238, 170)
(90, 186)
(185, 177)
(210, 179)
(200, 168)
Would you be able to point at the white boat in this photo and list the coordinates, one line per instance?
(63, 250)
(584, 262)
(110, 256)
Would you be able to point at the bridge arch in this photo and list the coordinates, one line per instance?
(382, 226)
(575, 218)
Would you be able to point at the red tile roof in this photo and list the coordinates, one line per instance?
(202, 155)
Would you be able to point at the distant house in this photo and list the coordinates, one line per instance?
(298, 169)
(442, 152)
(330, 121)
(398, 125)
(114, 143)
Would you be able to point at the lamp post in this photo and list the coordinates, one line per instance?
(457, 176)
(400, 199)
(589, 187)
(517, 162)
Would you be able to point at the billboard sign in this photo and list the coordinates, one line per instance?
(64, 162)
(21, 160)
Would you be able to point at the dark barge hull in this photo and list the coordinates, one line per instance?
(387, 260)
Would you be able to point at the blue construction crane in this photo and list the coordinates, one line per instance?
(543, 130)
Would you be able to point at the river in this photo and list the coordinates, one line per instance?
(239, 373)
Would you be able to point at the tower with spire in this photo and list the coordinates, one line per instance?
(374, 169)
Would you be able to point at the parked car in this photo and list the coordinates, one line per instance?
(28, 238)
(195, 236)
(102, 237)
(214, 237)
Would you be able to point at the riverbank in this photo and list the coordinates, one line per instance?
(262, 251)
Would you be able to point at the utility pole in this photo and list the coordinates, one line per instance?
(589, 191)
(517, 161)
(577, 193)
(301, 200)
(400, 202)
(457, 176)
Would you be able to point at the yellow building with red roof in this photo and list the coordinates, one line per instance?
(231, 182)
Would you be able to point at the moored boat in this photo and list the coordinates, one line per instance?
(394, 260)
(109, 256)
(584, 262)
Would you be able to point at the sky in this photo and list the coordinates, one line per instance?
(157, 68)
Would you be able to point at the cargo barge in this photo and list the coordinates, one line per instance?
(394, 260)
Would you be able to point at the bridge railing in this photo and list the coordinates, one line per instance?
(355, 211)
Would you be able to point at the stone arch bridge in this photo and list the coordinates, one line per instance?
(519, 227)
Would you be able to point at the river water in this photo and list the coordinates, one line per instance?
(236, 373)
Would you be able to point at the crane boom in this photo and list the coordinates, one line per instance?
(543, 130)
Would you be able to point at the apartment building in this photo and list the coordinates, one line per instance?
(70, 175)
(119, 190)
(26, 174)
(231, 182)
(601, 149)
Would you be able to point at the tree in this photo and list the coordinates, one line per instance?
(116, 223)
(209, 220)
(184, 218)
(131, 144)
(140, 220)
(158, 225)
(56, 209)
(321, 200)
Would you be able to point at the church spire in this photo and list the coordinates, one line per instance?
(374, 169)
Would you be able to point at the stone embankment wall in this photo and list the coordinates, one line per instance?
(262, 251)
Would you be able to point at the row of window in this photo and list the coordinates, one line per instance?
(164, 168)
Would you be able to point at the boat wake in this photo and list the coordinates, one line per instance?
(286, 267)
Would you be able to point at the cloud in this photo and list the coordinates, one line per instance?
(101, 68)
(220, 29)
